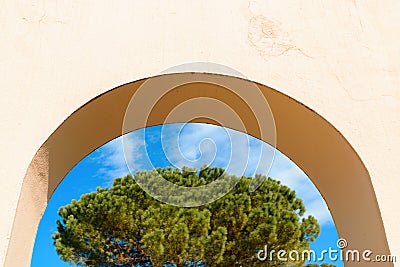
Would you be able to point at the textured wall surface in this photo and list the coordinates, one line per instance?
(340, 58)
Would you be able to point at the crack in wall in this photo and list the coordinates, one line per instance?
(268, 37)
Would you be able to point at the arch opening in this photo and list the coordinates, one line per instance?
(107, 162)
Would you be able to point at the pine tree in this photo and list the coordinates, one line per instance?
(124, 226)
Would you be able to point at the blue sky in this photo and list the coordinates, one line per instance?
(191, 145)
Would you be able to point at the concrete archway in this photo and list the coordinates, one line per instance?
(304, 136)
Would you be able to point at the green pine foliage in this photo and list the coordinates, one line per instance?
(124, 226)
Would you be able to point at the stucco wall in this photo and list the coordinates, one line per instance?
(340, 58)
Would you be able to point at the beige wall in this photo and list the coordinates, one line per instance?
(340, 58)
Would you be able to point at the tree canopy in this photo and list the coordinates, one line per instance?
(124, 226)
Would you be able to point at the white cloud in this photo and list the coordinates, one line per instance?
(201, 144)
(292, 176)
(111, 156)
